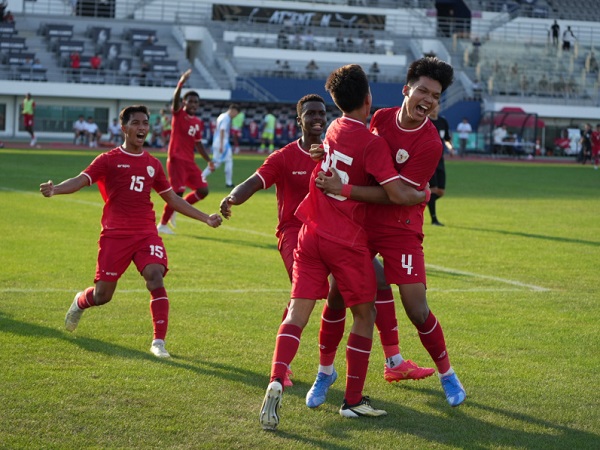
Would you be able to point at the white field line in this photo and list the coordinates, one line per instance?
(532, 287)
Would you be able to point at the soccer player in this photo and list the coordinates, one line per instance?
(268, 134)
(28, 113)
(437, 184)
(221, 147)
(237, 124)
(396, 232)
(332, 240)
(596, 146)
(186, 137)
(289, 169)
(125, 176)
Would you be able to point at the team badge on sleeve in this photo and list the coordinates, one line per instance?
(150, 170)
(401, 156)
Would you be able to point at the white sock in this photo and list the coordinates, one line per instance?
(327, 370)
(394, 361)
(450, 372)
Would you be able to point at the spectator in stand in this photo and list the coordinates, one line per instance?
(79, 134)
(591, 63)
(309, 40)
(96, 62)
(555, 31)
(464, 131)
(374, 72)
(92, 132)
(311, 69)
(115, 132)
(340, 43)
(75, 66)
(567, 36)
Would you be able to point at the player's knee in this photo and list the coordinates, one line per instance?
(202, 192)
(418, 314)
(153, 274)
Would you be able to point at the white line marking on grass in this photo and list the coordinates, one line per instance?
(533, 287)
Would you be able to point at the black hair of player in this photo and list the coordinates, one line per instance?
(348, 86)
(431, 67)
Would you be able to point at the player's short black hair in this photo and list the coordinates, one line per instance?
(431, 67)
(235, 106)
(306, 99)
(191, 94)
(348, 86)
(129, 111)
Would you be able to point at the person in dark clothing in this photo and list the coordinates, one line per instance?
(437, 184)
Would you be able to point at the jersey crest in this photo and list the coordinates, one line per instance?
(401, 156)
(150, 170)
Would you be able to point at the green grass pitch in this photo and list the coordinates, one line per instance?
(513, 277)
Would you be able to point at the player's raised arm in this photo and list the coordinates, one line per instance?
(177, 94)
(66, 187)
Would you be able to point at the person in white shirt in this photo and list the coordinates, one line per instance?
(499, 134)
(93, 133)
(115, 133)
(221, 147)
(464, 130)
(79, 133)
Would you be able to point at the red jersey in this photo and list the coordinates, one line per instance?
(186, 130)
(125, 181)
(596, 141)
(361, 158)
(289, 169)
(416, 154)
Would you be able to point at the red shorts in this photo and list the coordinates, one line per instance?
(317, 257)
(237, 132)
(403, 258)
(116, 253)
(288, 240)
(595, 151)
(28, 120)
(184, 174)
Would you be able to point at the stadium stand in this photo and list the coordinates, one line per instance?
(261, 57)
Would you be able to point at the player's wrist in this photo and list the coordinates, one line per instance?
(346, 190)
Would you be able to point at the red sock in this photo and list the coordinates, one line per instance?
(386, 322)
(432, 338)
(357, 360)
(193, 197)
(330, 334)
(159, 308)
(166, 215)
(86, 300)
(286, 347)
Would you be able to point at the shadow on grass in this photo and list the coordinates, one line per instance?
(531, 236)
(235, 242)
(458, 427)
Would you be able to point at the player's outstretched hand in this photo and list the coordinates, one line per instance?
(47, 189)
(184, 76)
(214, 220)
(330, 185)
(226, 206)
(316, 152)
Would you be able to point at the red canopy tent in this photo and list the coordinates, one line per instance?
(514, 117)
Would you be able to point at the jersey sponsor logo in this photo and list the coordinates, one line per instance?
(112, 274)
(123, 166)
(150, 170)
(401, 156)
(299, 172)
